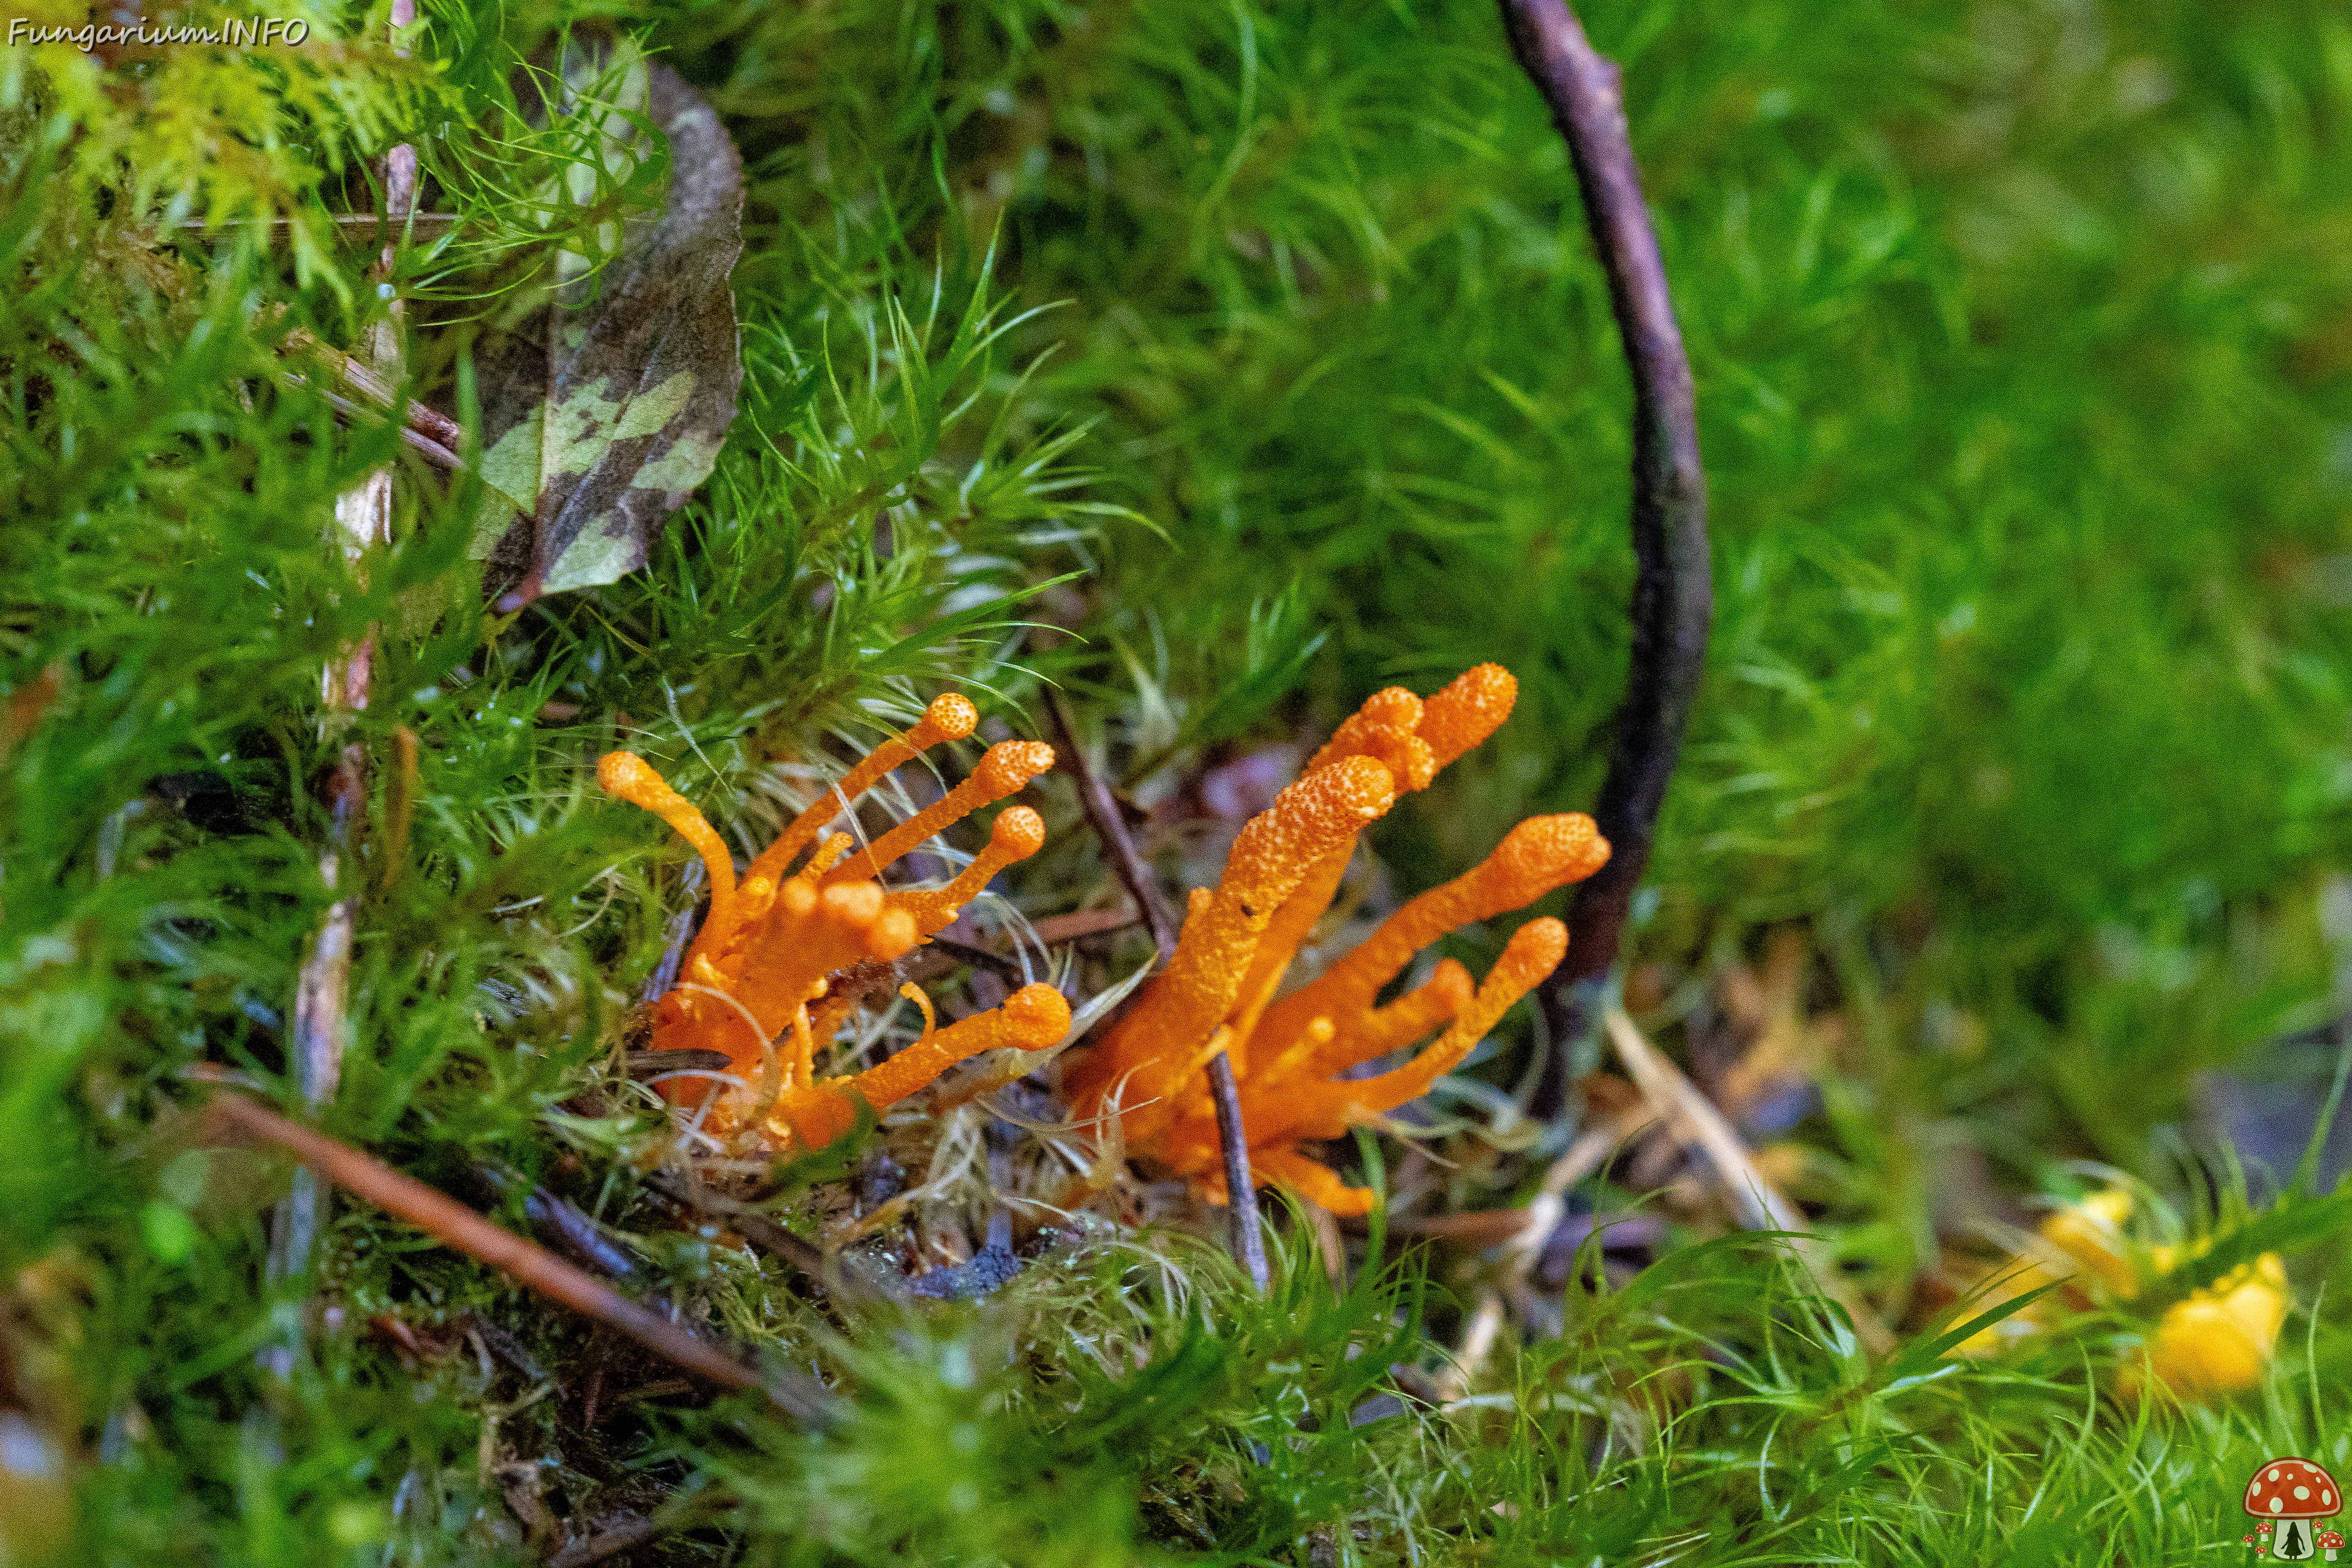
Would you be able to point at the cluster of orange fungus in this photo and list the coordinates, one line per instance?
(786, 951)
(1218, 991)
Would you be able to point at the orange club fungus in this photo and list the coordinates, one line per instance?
(786, 953)
(1218, 991)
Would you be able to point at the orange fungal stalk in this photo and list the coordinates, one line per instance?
(784, 953)
(1218, 991)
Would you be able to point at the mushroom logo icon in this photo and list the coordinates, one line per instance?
(2289, 1494)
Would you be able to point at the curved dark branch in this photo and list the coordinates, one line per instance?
(1674, 594)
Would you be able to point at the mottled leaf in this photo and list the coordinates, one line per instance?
(605, 404)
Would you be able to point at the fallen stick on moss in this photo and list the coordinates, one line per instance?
(439, 453)
(604, 1539)
(452, 1222)
(1102, 811)
(557, 1222)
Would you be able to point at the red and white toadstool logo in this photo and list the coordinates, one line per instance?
(2286, 1495)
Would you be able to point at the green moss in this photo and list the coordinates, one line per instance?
(1263, 347)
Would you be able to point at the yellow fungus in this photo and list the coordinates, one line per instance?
(2081, 1240)
(2213, 1344)
(2218, 1340)
(2091, 1233)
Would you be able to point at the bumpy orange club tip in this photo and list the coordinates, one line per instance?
(1017, 833)
(1472, 707)
(1273, 852)
(1008, 765)
(1539, 854)
(950, 717)
(1239, 940)
(624, 775)
(1383, 729)
(1544, 853)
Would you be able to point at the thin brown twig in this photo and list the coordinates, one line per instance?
(559, 1222)
(942, 954)
(679, 931)
(433, 450)
(614, 1535)
(452, 1222)
(1241, 1185)
(996, 963)
(1056, 929)
(1674, 594)
(350, 228)
(321, 985)
(433, 433)
(676, 1059)
(1111, 827)
(1248, 1239)
(364, 379)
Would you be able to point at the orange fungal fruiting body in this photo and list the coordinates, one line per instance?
(766, 980)
(1218, 991)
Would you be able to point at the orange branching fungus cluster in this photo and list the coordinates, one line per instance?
(2216, 1342)
(786, 953)
(1217, 993)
